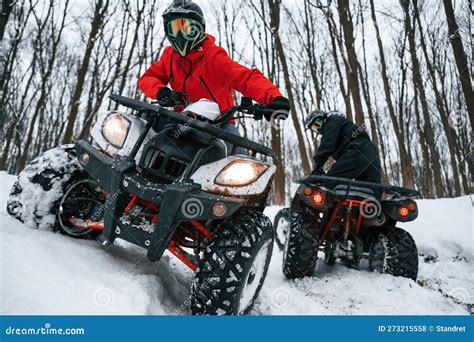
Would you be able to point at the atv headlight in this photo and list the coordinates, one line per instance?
(240, 173)
(115, 129)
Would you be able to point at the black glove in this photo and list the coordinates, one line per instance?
(281, 107)
(168, 98)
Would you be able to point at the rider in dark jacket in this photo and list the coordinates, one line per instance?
(356, 156)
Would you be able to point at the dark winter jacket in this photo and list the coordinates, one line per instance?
(207, 72)
(339, 135)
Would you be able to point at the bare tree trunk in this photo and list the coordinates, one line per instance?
(345, 94)
(274, 6)
(96, 24)
(43, 91)
(5, 10)
(418, 84)
(345, 17)
(450, 132)
(460, 58)
(132, 48)
(364, 80)
(406, 166)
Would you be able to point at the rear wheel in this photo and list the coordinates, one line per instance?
(394, 252)
(301, 248)
(281, 225)
(233, 267)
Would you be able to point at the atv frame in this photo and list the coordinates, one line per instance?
(126, 188)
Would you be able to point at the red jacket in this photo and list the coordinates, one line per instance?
(207, 72)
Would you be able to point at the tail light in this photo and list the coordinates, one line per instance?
(404, 212)
(411, 206)
(318, 198)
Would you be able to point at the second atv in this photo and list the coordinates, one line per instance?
(349, 221)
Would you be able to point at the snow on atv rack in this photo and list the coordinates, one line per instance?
(332, 182)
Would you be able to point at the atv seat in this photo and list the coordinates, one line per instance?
(354, 191)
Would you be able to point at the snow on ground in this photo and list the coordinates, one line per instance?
(46, 273)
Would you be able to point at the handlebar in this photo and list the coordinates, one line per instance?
(216, 132)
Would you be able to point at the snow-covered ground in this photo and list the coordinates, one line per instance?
(46, 273)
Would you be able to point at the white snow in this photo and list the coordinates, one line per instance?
(46, 273)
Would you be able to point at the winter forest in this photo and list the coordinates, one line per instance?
(401, 69)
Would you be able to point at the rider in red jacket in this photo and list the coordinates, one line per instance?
(196, 68)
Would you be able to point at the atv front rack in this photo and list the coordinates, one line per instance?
(177, 202)
(331, 182)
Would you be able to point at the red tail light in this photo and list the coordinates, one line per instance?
(404, 212)
(318, 198)
(411, 206)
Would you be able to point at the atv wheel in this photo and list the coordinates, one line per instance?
(81, 206)
(40, 186)
(36, 196)
(281, 225)
(234, 265)
(301, 248)
(394, 252)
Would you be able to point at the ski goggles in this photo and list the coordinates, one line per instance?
(188, 27)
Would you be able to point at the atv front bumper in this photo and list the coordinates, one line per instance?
(177, 202)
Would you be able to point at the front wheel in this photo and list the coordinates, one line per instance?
(234, 265)
(394, 252)
(281, 225)
(54, 193)
(301, 249)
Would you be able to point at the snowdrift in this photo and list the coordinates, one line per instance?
(46, 273)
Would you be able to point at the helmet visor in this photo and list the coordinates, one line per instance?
(188, 27)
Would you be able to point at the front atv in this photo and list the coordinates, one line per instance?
(164, 181)
(349, 221)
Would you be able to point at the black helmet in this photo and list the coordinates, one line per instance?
(185, 26)
(315, 120)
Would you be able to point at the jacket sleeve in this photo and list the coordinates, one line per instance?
(329, 141)
(156, 77)
(249, 82)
